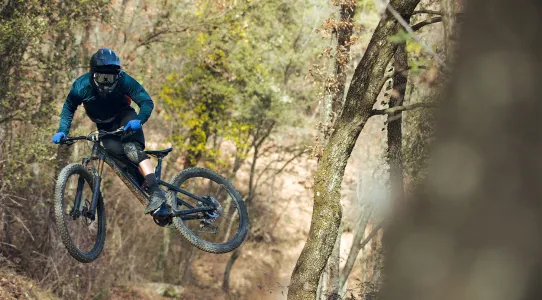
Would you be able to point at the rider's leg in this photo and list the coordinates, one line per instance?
(134, 152)
(133, 145)
(145, 167)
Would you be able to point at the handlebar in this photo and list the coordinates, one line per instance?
(91, 137)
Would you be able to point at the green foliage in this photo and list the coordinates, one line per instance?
(236, 78)
(34, 42)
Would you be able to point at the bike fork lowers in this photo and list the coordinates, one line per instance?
(97, 180)
(75, 212)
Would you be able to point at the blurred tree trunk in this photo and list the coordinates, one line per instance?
(227, 271)
(395, 122)
(449, 9)
(473, 231)
(164, 249)
(366, 84)
(356, 246)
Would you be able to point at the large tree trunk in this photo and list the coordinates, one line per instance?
(362, 94)
(474, 231)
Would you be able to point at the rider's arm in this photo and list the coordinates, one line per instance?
(135, 91)
(68, 110)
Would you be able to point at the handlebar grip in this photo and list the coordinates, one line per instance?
(66, 141)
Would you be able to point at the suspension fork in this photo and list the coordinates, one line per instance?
(76, 212)
(97, 180)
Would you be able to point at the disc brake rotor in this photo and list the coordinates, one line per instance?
(206, 225)
(86, 207)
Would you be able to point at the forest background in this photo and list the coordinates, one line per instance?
(279, 96)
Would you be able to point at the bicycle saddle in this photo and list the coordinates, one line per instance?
(159, 153)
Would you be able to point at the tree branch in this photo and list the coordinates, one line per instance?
(428, 11)
(296, 155)
(424, 23)
(371, 235)
(401, 108)
(407, 27)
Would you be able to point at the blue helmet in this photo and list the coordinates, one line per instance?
(104, 70)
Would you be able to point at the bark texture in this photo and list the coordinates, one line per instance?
(474, 231)
(366, 84)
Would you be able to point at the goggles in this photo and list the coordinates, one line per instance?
(106, 79)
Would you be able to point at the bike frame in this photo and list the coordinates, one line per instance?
(101, 155)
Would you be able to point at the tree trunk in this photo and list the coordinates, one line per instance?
(366, 84)
(333, 269)
(342, 56)
(185, 273)
(334, 94)
(449, 9)
(473, 232)
(356, 246)
(320, 283)
(164, 250)
(344, 31)
(258, 142)
(395, 122)
(227, 271)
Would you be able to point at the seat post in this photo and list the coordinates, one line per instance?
(158, 171)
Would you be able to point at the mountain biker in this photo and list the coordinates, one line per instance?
(106, 93)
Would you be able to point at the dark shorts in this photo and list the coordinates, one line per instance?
(114, 144)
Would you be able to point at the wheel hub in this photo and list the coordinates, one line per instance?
(213, 215)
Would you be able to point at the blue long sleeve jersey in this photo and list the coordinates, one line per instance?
(98, 108)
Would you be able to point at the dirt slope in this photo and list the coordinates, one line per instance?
(13, 286)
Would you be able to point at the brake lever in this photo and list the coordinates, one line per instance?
(64, 141)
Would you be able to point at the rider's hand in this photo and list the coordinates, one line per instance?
(134, 125)
(57, 137)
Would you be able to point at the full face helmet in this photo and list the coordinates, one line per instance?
(104, 71)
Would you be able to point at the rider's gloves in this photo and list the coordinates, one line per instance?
(134, 125)
(57, 137)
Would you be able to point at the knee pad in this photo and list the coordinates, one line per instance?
(134, 152)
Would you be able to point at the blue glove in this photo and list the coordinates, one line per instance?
(57, 137)
(134, 125)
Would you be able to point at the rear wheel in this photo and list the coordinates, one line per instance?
(83, 237)
(219, 231)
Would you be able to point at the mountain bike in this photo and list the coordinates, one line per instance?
(202, 205)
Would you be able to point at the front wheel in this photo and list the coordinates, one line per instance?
(219, 231)
(82, 234)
